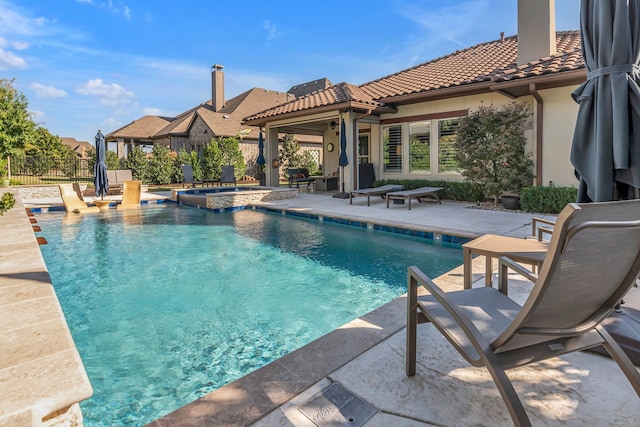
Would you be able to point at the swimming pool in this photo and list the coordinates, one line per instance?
(168, 303)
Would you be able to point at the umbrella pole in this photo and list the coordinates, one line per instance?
(342, 194)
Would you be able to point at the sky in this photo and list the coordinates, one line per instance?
(86, 65)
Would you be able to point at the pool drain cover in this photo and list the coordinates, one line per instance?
(336, 407)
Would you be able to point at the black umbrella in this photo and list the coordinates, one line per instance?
(606, 144)
(343, 160)
(100, 180)
(260, 160)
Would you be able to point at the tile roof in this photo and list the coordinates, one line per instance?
(340, 94)
(486, 63)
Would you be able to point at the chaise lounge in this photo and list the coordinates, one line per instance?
(418, 194)
(73, 202)
(381, 191)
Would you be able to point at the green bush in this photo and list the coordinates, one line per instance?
(6, 202)
(460, 191)
(137, 162)
(549, 200)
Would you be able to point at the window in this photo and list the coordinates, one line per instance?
(419, 147)
(363, 148)
(392, 139)
(446, 146)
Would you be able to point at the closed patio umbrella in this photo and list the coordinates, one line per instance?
(260, 160)
(606, 144)
(100, 181)
(342, 160)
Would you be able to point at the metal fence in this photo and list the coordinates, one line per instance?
(35, 170)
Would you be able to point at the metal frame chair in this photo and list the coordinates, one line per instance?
(593, 260)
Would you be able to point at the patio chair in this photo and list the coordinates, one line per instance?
(187, 172)
(228, 175)
(73, 202)
(592, 261)
(131, 193)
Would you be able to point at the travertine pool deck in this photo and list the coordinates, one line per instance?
(366, 356)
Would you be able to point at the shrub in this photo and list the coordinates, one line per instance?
(137, 161)
(6, 202)
(161, 165)
(547, 199)
(490, 149)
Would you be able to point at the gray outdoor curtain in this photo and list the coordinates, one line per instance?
(606, 144)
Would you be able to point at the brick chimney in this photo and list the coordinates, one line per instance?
(217, 87)
(536, 29)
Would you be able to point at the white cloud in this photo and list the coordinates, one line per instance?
(109, 94)
(272, 30)
(13, 21)
(47, 92)
(111, 123)
(11, 60)
(37, 115)
(127, 13)
(150, 111)
(85, 1)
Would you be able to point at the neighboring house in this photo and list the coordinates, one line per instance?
(194, 129)
(392, 119)
(81, 148)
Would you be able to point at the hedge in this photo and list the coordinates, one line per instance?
(547, 199)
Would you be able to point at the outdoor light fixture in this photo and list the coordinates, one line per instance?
(333, 124)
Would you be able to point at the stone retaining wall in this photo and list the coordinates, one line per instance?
(233, 199)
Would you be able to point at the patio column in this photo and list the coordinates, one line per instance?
(272, 175)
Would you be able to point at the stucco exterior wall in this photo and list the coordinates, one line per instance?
(560, 114)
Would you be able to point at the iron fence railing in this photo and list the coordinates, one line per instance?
(34, 170)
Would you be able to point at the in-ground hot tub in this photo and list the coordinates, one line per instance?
(222, 198)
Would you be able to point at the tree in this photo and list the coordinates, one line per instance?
(490, 149)
(231, 154)
(136, 160)
(289, 156)
(188, 158)
(15, 120)
(161, 164)
(212, 161)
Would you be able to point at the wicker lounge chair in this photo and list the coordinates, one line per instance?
(417, 193)
(131, 193)
(593, 260)
(73, 202)
(381, 191)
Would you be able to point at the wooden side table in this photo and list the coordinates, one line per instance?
(527, 251)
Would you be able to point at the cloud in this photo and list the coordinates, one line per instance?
(108, 94)
(111, 123)
(10, 60)
(272, 30)
(47, 92)
(37, 115)
(85, 1)
(150, 111)
(14, 21)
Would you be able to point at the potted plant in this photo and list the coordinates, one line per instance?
(491, 150)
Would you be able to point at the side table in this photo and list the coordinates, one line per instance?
(527, 251)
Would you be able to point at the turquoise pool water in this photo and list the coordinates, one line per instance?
(169, 303)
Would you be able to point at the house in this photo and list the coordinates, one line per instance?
(194, 128)
(394, 118)
(81, 148)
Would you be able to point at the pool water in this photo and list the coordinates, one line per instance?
(166, 304)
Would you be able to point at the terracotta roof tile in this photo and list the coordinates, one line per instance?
(489, 62)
